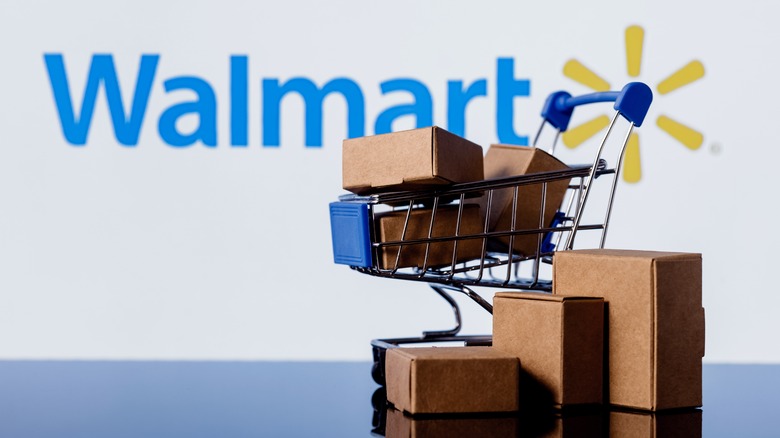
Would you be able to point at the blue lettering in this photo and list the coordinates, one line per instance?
(101, 71)
(422, 108)
(239, 101)
(127, 125)
(312, 98)
(507, 88)
(205, 107)
(458, 100)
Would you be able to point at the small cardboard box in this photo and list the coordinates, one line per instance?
(559, 341)
(390, 225)
(452, 380)
(656, 321)
(675, 424)
(503, 161)
(450, 426)
(409, 160)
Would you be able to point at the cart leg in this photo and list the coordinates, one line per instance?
(474, 296)
(455, 309)
(379, 417)
(378, 369)
(379, 346)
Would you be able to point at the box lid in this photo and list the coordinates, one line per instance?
(633, 254)
(455, 353)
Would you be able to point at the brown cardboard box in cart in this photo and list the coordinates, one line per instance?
(505, 160)
(559, 341)
(416, 159)
(655, 334)
(390, 225)
(431, 380)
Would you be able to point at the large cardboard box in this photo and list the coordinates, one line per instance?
(390, 225)
(559, 340)
(656, 321)
(452, 380)
(674, 424)
(503, 161)
(451, 426)
(409, 160)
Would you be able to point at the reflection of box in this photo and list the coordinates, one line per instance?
(559, 341)
(390, 227)
(451, 380)
(656, 321)
(586, 424)
(403, 426)
(503, 161)
(676, 424)
(409, 160)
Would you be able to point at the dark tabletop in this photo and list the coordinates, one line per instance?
(324, 399)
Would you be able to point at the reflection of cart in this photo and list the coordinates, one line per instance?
(357, 244)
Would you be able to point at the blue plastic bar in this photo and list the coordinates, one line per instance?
(350, 234)
(632, 102)
(571, 102)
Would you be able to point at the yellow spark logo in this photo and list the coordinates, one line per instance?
(689, 137)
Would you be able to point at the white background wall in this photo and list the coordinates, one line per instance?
(198, 253)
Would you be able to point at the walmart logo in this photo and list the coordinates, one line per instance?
(127, 125)
(687, 136)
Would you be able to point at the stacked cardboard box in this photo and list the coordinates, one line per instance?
(652, 333)
(642, 308)
(452, 380)
(431, 158)
(504, 161)
(656, 321)
(417, 159)
(559, 342)
(390, 228)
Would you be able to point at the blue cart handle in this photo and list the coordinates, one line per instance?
(632, 102)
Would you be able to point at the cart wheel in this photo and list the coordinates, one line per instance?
(378, 369)
(379, 417)
(379, 399)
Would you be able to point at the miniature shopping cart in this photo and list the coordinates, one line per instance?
(496, 263)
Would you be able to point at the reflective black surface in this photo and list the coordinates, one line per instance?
(281, 399)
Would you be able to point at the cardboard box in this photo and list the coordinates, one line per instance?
(404, 426)
(452, 380)
(503, 161)
(559, 340)
(417, 159)
(656, 321)
(676, 424)
(390, 225)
